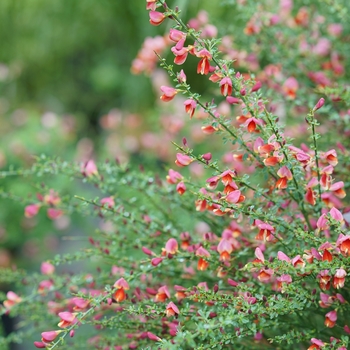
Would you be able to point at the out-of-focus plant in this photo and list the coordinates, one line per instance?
(254, 253)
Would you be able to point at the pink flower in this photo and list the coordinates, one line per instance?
(319, 104)
(180, 53)
(181, 188)
(176, 35)
(172, 310)
(343, 243)
(171, 246)
(285, 175)
(173, 177)
(181, 77)
(48, 337)
(12, 299)
(121, 285)
(283, 257)
(54, 213)
(331, 318)
(183, 160)
(317, 343)
(225, 249)
(31, 210)
(67, 319)
(265, 274)
(47, 268)
(339, 278)
(235, 197)
(257, 86)
(162, 294)
(226, 86)
(108, 202)
(336, 214)
(190, 106)
(156, 261)
(151, 5)
(168, 93)
(203, 65)
(153, 337)
(259, 255)
(156, 18)
(89, 169)
(290, 87)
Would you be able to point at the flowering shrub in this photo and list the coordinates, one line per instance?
(254, 254)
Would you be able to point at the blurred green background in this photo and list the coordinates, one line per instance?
(75, 56)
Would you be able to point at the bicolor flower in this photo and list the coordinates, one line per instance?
(339, 278)
(121, 285)
(173, 177)
(285, 175)
(183, 160)
(265, 275)
(343, 243)
(266, 231)
(203, 65)
(172, 310)
(226, 86)
(190, 106)
(67, 319)
(324, 279)
(252, 124)
(225, 249)
(331, 318)
(202, 263)
(156, 18)
(290, 87)
(168, 93)
(171, 247)
(181, 188)
(162, 294)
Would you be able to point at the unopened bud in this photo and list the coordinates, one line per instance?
(207, 156)
(319, 104)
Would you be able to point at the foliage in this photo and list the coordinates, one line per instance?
(254, 252)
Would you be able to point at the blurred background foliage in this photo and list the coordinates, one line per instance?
(75, 56)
